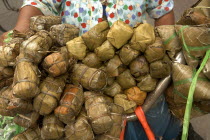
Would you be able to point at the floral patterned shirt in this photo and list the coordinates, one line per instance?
(87, 13)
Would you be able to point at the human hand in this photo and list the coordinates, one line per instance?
(2, 37)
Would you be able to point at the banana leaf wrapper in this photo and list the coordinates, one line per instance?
(92, 60)
(40, 22)
(98, 112)
(52, 128)
(143, 36)
(27, 120)
(37, 46)
(80, 130)
(70, 104)
(113, 89)
(29, 134)
(62, 33)
(178, 108)
(136, 95)
(146, 83)
(170, 39)
(5, 96)
(204, 106)
(89, 78)
(108, 99)
(190, 61)
(49, 97)
(122, 100)
(26, 79)
(20, 106)
(106, 51)
(6, 72)
(117, 117)
(161, 68)
(193, 17)
(77, 48)
(110, 80)
(127, 54)
(9, 52)
(119, 34)
(115, 67)
(57, 63)
(6, 82)
(206, 69)
(195, 41)
(155, 51)
(96, 35)
(182, 76)
(139, 66)
(126, 80)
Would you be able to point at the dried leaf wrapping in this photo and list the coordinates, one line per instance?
(20, 106)
(110, 80)
(119, 34)
(6, 82)
(178, 108)
(36, 47)
(5, 96)
(89, 78)
(27, 120)
(52, 128)
(139, 67)
(127, 54)
(29, 134)
(6, 72)
(40, 22)
(70, 104)
(57, 63)
(206, 69)
(170, 39)
(113, 89)
(96, 35)
(189, 60)
(160, 68)
(77, 48)
(80, 130)
(62, 33)
(155, 51)
(92, 60)
(26, 79)
(193, 17)
(106, 51)
(126, 80)
(195, 41)
(136, 95)
(98, 112)
(203, 105)
(182, 76)
(122, 100)
(51, 90)
(117, 117)
(143, 36)
(9, 52)
(146, 83)
(115, 67)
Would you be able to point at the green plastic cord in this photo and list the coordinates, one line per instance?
(190, 98)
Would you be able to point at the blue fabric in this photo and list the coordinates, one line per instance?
(162, 123)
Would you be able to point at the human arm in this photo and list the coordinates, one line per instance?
(161, 11)
(167, 19)
(33, 8)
